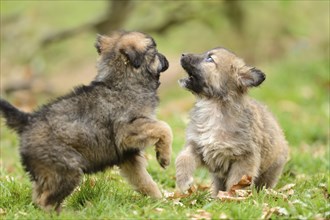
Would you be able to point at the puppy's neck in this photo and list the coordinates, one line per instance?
(229, 105)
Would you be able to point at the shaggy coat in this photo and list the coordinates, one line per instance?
(108, 122)
(229, 133)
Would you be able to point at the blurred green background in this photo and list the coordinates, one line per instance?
(47, 48)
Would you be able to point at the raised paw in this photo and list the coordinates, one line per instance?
(163, 159)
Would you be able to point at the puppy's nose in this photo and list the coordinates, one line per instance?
(184, 54)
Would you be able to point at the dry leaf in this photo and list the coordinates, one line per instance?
(203, 187)
(92, 182)
(159, 209)
(243, 193)
(201, 214)
(179, 195)
(267, 212)
(192, 189)
(287, 187)
(236, 193)
(229, 196)
(244, 182)
(168, 194)
(276, 194)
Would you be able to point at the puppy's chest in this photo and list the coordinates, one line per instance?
(217, 136)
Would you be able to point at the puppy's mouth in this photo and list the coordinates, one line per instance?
(185, 82)
(188, 81)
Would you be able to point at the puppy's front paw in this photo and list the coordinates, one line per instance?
(163, 159)
(184, 183)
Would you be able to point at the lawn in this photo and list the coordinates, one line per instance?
(296, 90)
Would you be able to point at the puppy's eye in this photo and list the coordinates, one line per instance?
(209, 59)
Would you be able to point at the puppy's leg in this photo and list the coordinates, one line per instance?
(134, 170)
(218, 184)
(270, 177)
(51, 188)
(186, 163)
(245, 166)
(145, 132)
(55, 172)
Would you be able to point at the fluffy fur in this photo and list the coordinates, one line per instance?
(229, 133)
(108, 122)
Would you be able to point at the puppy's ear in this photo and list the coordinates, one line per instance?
(99, 44)
(134, 57)
(252, 77)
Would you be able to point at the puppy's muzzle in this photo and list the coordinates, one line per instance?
(163, 62)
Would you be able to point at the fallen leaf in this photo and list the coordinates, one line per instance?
(236, 193)
(201, 214)
(92, 182)
(273, 193)
(202, 187)
(159, 209)
(178, 194)
(168, 194)
(290, 192)
(287, 187)
(192, 189)
(244, 182)
(267, 211)
(243, 193)
(229, 196)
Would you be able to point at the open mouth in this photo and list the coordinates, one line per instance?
(185, 82)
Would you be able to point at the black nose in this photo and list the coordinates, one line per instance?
(184, 54)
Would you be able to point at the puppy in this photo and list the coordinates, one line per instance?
(108, 122)
(229, 133)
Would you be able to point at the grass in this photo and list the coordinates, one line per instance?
(296, 91)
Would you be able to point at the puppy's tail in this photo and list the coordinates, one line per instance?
(15, 119)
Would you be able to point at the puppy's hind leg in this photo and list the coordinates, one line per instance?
(244, 166)
(49, 190)
(218, 185)
(134, 170)
(270, 177)
(55, 175)
(186, 163)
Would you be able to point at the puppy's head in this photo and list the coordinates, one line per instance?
(218, 73)
(132, 53)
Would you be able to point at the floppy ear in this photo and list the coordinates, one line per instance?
(134, 57)
(252, 77)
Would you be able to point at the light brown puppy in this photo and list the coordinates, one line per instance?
(229, 133)
(108, 122)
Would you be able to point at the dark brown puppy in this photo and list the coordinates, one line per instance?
(229, 133)
(108, 122)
